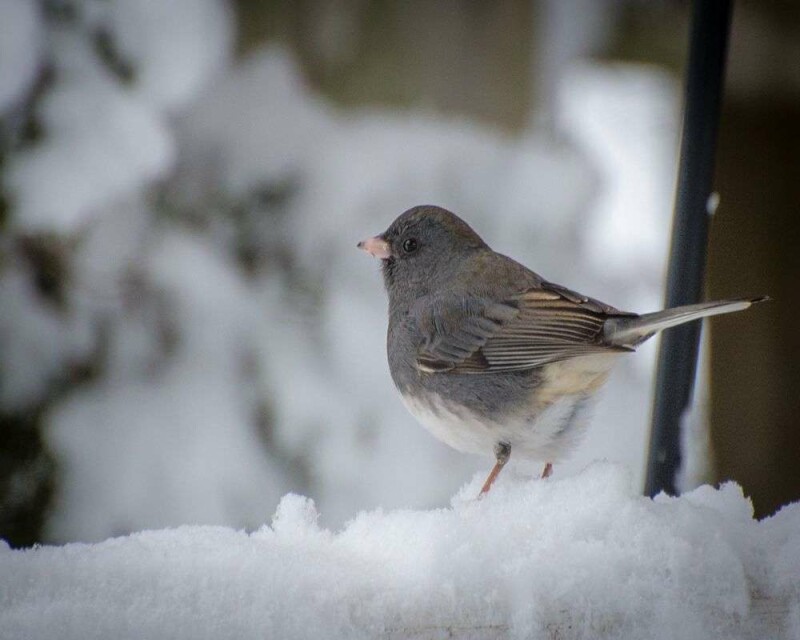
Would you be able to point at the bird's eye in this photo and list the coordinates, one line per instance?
(409, 245)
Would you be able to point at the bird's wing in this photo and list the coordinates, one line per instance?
(541, 325)
(454, 328)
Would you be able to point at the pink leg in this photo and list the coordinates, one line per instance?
(502, 452)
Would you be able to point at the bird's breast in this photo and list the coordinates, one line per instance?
(541, 420)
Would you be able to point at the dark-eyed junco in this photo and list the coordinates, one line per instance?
(488, 355)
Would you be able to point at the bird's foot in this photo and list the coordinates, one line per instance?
(502, 452)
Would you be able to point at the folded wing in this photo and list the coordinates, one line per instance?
(534, 328)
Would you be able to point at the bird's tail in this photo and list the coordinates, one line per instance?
(631, 331)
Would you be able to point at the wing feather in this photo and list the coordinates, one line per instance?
(534, 328)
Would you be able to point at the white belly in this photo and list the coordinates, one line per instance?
(545, 430)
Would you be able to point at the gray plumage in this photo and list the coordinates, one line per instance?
(488, 354)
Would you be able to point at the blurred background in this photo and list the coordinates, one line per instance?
(187, 331)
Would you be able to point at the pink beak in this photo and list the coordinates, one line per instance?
(377, 247)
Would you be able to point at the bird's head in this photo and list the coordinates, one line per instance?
(422, 248)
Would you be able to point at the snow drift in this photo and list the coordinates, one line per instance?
(580, 557)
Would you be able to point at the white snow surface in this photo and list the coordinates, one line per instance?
(579, 557)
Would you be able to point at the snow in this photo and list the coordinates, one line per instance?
(260, 124)
(216, 387)
(107, 137)
(105, 435)
(158, 38)
(101, 144)
(626, 225)
(20, 49)
(35, 340)
(578, 557)
(318, 348)
(227, 386)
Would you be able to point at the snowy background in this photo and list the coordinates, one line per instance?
(205, 211)
(186, 323)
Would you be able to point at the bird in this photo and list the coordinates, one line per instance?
(488, 355)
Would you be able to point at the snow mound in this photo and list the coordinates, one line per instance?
(580, 557)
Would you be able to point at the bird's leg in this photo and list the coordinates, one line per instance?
(502, 452)
(548, 470)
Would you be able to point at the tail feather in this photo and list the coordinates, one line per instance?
(631, 331)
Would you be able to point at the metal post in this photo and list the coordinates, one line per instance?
(677, 358)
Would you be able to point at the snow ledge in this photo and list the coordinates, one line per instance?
(580, 557)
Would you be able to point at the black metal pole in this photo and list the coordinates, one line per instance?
(677, 358)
